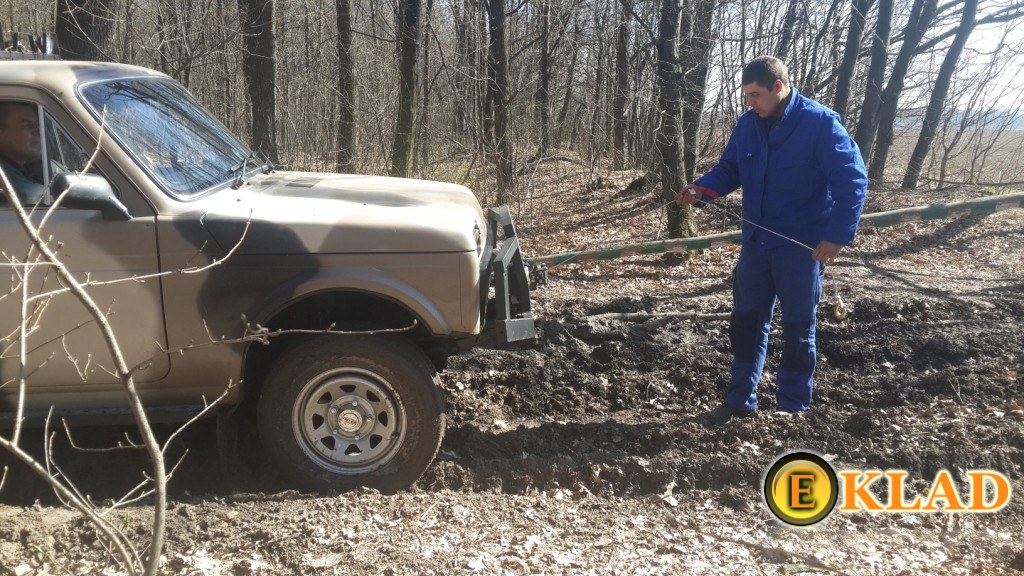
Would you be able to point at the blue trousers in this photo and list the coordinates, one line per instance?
(789, 274)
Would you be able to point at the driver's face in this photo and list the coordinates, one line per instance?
(19, 133)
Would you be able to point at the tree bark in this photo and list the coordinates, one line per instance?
(498, 96)
(696, 56)
(344, 160)
(84, 28)
(620, 99)
(408, 39)
(867, 124)
(542, 100)
(680, 219)
(921, 15)
(939, 93)
(851, 53)
(788, 27)
(422, 157)
(257, 20)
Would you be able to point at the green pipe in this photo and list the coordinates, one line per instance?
(978, 206)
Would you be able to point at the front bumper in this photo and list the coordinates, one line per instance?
(506, 315)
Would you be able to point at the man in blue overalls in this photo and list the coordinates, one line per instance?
(804, 187)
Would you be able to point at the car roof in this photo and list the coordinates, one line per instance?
(57, 75)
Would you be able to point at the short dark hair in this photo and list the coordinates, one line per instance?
(765, 70)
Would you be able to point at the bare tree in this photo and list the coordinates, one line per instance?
(84, 28)
(408, 41)
(257, 24)
(621, 91)
(680, 219)
(498, 97)
(922, 14)
(345, 153)
(939, 92)
(789, 24)
(851, 53)
(695, 53)
(543, 95)
(867, 124)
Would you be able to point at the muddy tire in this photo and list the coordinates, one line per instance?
(341, 412)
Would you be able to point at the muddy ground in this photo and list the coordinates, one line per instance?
(582, 454)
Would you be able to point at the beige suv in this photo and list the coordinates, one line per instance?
(374, 281)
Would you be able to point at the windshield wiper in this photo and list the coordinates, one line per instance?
(241, 168)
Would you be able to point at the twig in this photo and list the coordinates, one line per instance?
(101, 524)
(127, 381)
(263, 335)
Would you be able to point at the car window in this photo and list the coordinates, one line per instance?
(21, 150)
(64, 153)
(30, 158)
(159, 123)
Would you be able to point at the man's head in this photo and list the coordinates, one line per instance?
(765, 85)
(19, 132)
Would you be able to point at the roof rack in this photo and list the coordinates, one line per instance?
(38, 47)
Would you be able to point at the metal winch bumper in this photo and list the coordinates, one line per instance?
(506, 315)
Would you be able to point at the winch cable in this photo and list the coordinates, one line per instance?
(839, 310)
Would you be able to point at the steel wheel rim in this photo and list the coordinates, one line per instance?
(349, 421)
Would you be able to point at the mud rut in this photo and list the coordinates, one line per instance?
(609, 407)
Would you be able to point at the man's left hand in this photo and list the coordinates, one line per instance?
(826, 252)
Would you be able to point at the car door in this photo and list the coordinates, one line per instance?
(68, 363)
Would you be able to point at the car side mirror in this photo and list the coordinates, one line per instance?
(89, 192)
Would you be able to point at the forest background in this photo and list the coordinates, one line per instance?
(479, 91)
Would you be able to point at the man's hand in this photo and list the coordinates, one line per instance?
(826, 252)
(690, 194)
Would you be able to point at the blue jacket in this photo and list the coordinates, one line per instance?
(803, 178)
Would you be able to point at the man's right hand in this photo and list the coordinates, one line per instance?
(691, 194)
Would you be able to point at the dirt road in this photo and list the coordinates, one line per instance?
(581, 453)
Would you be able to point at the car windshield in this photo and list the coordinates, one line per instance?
(159, 123)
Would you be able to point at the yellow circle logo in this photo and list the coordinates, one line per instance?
(801, 488)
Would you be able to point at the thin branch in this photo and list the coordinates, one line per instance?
(126, 559)
(127, 380)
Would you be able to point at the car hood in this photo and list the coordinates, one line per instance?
(307, 212)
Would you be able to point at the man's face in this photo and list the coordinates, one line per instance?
(764, 101)
(19, 133)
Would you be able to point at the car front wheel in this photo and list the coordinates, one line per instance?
(341, 412)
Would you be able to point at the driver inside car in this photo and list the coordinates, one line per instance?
(20, 151)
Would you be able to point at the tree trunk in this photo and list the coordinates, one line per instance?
(867, 124)
(620, 99)
(422, 157)
(344, 160)
(542, 100)
(921, 15)
(84, 28)
(596, 145)
(257, 19)
(680, 219)
(939, 92)
(851, 53)
(563, 112)
(696, 56)
(788, 27)
(408, 39)
(498, 95)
